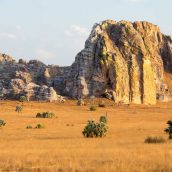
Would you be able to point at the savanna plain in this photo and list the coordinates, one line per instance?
(60, 146)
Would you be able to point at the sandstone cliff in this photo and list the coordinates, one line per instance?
(128, 60)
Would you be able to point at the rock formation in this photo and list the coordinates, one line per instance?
(33, 79)
(132, 62)
(124, 61)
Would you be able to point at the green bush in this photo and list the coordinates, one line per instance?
(93, 108)
(19, 108)
(103, 119)
(29, 127)
(102, 104)
(45, 115)
(154, 140)
(93, 129)
(22, 99)
(2, 123)
(40, 126)
(169, 129)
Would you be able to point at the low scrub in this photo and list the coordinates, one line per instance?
(96, 129)
(29, 127)
(2, 123)
(169, 129)
(154, 140)
(19, 109)
(93, 108)
(40, 126)
(22, 99)
(45, 115)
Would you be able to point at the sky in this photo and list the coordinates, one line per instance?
(54, 31)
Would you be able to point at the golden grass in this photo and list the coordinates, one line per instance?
(61, 146)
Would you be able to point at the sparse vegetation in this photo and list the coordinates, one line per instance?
(29, 127)
(93, 129)
(45, 115)
(19, 109)
(124, 142)
(22, 99)
(40, 126)
(2, 123)
(93, 108)
(169, 129)
(103, 119)
(154, 140)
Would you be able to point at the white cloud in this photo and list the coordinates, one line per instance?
(8, 35)
(76, 30)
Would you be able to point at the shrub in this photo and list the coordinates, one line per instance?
(19, 108)
(102, 104)
(29, 127)
(45, 115)
(93, 108)
(22, 99)
(103, 119)
(80, 102)
(40, 126)
(155, 140)
(93, 129)
(2, 123)
(169, 129)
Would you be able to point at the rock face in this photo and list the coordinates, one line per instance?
(124, 61)
(33, 79)
(129, 61)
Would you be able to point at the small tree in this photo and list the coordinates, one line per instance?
(169, 129)
(93, 108)
(19, 108)
(93, 129)
(22, 99)
(2, 123)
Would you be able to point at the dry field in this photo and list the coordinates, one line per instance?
(61, 146)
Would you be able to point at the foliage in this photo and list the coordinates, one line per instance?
(93, 108)
(29, 127)
(169, 129)
(19, 108)
(22, 99)
(93, 129)
(40, 126)
(103, 119)
(150, 140)
(2, 123)
(45, 115)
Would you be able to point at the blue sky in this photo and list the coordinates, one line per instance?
(54, 31)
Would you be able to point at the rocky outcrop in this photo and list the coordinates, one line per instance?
(124, 61)
(128, 61)
(33, 79)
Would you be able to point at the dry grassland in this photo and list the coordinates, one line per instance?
(61, 146)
